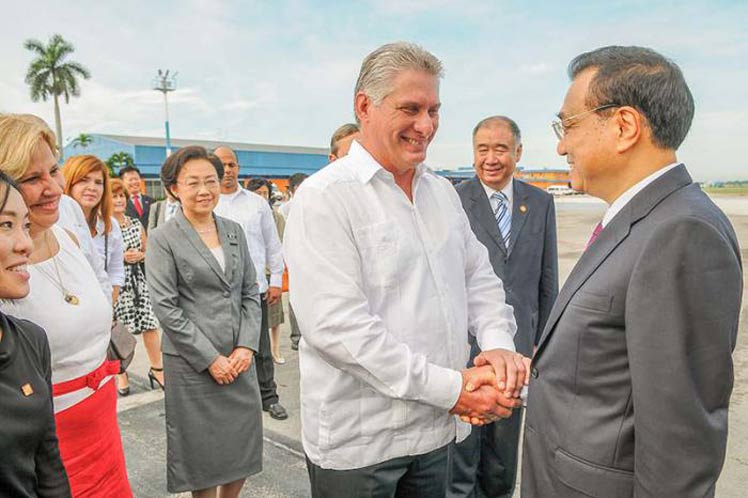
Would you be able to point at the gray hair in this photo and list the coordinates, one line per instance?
(645, 80)
(381, 66)
(343, 131)
(494, 120)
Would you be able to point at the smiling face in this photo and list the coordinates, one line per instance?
(495, 154)
(197, 187)
(40, 188)
(119, 203)
(89, 190)
(586, 142)
(15, 245)
(132, 182)
(398, 131)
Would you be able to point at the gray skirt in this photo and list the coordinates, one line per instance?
(213, 432)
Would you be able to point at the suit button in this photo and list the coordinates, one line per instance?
(226, 294)
(534, 373)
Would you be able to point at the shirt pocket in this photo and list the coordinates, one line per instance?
(378, 246)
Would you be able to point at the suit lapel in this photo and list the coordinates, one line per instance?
(519, 212)
(230, 245)
(194, 238)
(613, 234)
(481, 209)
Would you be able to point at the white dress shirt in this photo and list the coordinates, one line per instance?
(625, 197)
(171, 209)
(508, 191)
(113, 255)
(73, 220)
(385, 292)
(254, 215)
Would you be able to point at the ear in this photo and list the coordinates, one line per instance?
(519, 153)
(331, 157)
(174, 191)
(629, 127)
(362, 104)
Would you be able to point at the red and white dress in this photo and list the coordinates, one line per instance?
(85, 400)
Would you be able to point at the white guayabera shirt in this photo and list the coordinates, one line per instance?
(385, 292)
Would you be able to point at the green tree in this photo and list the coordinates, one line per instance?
(83, 140)
(49, 74)
(119, 160)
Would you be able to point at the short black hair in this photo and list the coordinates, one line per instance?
(174, 163)
(256, 183)
(128, 169)
(645, 80)
(9, 184)
(295, 180)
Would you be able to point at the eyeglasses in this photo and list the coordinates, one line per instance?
(560, 126)
(194, 185)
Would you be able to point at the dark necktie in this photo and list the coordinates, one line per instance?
(598, 229)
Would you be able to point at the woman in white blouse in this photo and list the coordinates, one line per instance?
(66, 300)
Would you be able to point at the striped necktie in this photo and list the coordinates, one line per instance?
(503, 216)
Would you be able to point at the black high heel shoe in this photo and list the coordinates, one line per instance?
(152, 377)
(124, 391)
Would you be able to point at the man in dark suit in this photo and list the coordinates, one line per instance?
(517, 224)
(139, 205)
(633, 373)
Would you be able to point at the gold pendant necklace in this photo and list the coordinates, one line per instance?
(68, 296)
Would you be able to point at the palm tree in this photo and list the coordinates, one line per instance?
(49, 75)
(83, 140)
(119, 160)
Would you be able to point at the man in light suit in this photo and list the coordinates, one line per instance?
(163, 211)
(633, 373)
(517, 224)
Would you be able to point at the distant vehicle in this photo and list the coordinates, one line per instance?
(560, 190)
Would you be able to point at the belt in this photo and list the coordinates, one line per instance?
(90, 380)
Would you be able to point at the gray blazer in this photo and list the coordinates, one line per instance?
(633, 373)
(203, 311)
(529, 266)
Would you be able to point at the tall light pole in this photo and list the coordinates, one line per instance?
(165, 84)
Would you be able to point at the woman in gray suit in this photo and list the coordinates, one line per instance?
(204, 293)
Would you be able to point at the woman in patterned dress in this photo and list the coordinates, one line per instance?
(134, 304)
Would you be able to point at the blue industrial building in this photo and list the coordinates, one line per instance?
(269, 161)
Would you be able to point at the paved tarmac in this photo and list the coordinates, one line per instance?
(142, 421)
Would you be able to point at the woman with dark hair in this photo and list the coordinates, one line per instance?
(204, 292)
(66, 300)
(31, 464)
(262, 187)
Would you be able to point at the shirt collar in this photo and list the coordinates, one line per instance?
(508, 190)
(629, 194)
(366, 167)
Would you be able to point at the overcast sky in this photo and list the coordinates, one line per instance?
(283, 72)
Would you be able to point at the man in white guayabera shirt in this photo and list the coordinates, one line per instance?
(387, 279)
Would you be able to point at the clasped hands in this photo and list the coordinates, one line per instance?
(134, 256)
(491, 389)
(225, 370)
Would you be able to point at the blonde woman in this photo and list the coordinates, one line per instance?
(66, 300)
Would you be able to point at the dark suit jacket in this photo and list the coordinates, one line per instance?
(633, 373)
(146, 202)
(529, 267)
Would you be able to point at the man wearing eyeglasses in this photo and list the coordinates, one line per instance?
(517, 224)
(632, 376)
(253, 213)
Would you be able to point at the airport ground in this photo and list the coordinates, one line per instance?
(284, 475)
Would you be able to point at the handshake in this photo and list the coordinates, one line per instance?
(491, 389)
